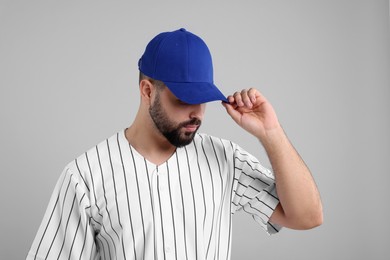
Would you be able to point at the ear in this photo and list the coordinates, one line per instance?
(146, 90)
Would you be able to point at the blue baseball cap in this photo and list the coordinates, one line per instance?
(183, 62)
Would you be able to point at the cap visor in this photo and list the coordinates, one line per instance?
(195, 92)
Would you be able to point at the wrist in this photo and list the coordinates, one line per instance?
(272, 137)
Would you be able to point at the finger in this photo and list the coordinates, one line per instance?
(231, 101)
(234, 114)
(238, 99)
(252, 94)
(230, 98)
(246, 99)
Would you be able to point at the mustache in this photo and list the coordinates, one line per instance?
(194, 121)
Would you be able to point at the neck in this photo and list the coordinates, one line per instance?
(149, 142)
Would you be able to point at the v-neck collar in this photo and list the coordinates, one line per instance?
(135, 153)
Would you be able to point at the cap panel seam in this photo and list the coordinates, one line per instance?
(188, 58)
(160, 46)
(155, 51)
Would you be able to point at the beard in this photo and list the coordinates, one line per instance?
(170, 130)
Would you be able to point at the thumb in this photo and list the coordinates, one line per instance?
(235, 115)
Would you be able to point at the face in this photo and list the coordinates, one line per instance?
(181, 133)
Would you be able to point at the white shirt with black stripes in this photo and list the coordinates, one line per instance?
(112, 203)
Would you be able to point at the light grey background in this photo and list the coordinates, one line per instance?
(68, 80)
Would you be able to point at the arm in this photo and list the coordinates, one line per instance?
(65, 231)
(300, 204)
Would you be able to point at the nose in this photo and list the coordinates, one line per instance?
(197, 111)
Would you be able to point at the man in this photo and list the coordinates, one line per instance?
(159, 189)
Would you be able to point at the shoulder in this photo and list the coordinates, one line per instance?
(92, 159)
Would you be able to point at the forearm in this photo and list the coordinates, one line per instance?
(299, 198)
(297, 191)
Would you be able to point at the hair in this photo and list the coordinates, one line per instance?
(157, 83)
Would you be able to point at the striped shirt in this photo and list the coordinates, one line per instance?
(112, 203)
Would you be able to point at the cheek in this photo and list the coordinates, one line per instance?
(203, 107)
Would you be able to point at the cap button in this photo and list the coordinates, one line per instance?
(182, 30)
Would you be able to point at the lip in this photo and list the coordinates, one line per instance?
(191, 128)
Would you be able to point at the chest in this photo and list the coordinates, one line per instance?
(181, 203)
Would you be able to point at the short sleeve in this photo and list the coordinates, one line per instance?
(66, 231)
(254, 189)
